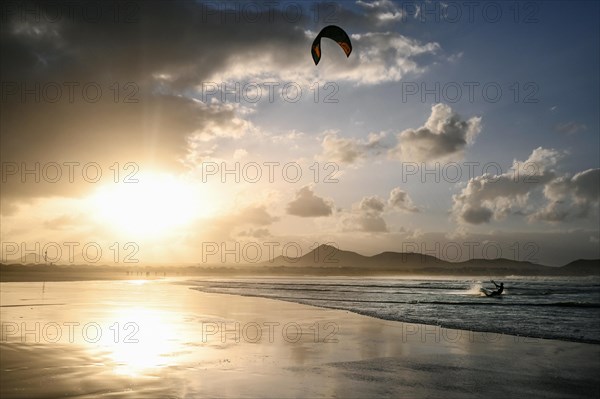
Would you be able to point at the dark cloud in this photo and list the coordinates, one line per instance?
(148, 59)
(152, 134)
(186, 40)
(143, 63)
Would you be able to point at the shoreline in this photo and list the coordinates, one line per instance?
(190, 280)
(338, 353)
(367, 314)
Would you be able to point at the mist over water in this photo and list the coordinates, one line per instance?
(556, 308)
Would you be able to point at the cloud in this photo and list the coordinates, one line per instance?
(158, 60)
(399, 199)
(250, 221)
(143, 115)
(488, 196)
(256, 215)
(365, 216)
(570, 196)
(63, 222)
(255, 233)
(156, 133)
(378, 57)
(239, 154)
(307, 204)
(351, 150)
(444, 136)
(370, 223)
(181, 42)
(570, 128)
(372, 205)
(493, 196)
(382, 11)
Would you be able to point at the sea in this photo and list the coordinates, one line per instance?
(538, 307)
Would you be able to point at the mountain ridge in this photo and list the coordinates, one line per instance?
(327, 259)
(328, 256)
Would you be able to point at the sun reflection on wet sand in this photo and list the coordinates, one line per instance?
(135, 327)
(141, 339)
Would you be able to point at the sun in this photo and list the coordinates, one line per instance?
(156, 205)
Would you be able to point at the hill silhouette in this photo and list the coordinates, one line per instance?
(329, 257)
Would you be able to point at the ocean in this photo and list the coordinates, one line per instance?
(538, 307)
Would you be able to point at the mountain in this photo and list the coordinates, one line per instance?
(329, 257)
(324, 256)
(581, 267)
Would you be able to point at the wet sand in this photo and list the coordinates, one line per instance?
(192, 344)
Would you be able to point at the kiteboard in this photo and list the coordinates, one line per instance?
(490, 293)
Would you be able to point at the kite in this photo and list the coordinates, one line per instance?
(334, 33)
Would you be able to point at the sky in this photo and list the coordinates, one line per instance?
(203, 132)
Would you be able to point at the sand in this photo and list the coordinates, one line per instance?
(189, 345)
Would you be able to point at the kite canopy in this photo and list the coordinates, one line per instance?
(334, 33)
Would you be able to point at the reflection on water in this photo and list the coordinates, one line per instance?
(133, 324)
(142, 338)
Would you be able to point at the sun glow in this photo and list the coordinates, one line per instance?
(153, 206)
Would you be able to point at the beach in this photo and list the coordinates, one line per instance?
(162, 339)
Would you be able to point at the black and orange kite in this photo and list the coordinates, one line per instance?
(334, 33)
